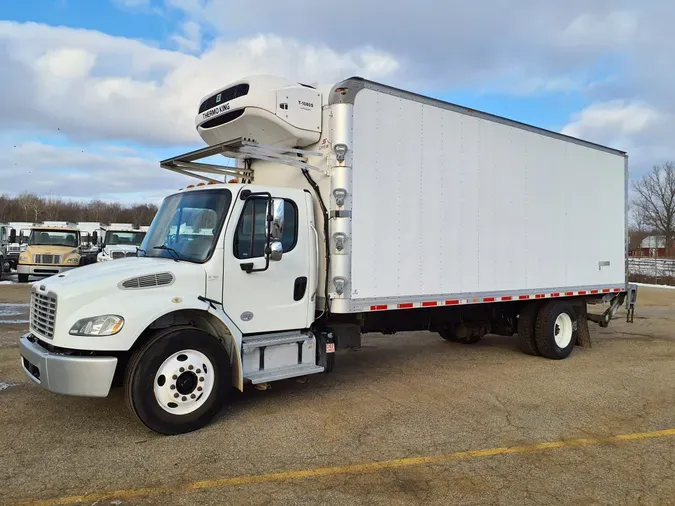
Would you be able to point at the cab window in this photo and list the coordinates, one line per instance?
(250, 238)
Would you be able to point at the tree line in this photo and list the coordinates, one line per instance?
(653, 207)
(33, 208)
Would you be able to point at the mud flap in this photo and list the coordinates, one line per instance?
(325, 351)
(583, 333)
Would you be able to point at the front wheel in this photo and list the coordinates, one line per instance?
(23, 278)
(177, 381)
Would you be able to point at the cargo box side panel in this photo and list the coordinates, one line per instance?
(450, 203)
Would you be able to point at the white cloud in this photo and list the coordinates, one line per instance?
(619, 117)
(96, 86)
(191, 40)
(80, 173)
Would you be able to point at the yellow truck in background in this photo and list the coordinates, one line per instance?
(50, 250)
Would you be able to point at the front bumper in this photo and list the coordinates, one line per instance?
(66, 374)
(13, 260)
(42, 270)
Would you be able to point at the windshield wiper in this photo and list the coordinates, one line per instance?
(170, 250)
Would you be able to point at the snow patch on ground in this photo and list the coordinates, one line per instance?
(668, 287)
(5, 385)
(8, 282)
(10, 312)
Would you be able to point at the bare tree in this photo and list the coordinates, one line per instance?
(655, 201)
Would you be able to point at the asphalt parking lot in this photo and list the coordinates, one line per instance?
(408, 419)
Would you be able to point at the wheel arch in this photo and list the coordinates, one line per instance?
(209, 321)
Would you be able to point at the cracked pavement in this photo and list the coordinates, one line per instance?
(408, 395)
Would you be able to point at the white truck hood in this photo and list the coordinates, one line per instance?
(97, 289)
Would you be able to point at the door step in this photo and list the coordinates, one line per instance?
(282, 373)
(250, 343)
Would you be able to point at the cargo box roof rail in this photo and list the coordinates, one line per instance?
(242, 149)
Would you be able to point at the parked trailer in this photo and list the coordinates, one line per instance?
(359, 208)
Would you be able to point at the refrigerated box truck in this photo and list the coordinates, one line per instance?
(351, 209)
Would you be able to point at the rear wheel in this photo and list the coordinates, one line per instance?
(556, 330)
(527, 319)
(178, 380)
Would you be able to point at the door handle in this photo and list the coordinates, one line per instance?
(299, 288)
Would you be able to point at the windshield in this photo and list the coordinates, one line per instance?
(69, 238)
(187, 225)
(116, 238)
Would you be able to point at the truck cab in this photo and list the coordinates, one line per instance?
(120, 243)
(5, 240)
(50, 250)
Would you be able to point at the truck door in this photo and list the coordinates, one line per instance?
(274, 296)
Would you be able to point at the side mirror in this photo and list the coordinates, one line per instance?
(276, 251)
(12, 236)
(275, 217)
(94, 238)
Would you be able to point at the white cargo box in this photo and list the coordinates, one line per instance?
(449, 203)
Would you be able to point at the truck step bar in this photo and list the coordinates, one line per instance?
(282, 373)
(250, 343)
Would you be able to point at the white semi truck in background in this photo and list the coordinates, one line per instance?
(121, 240)
(352, 209)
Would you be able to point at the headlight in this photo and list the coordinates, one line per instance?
(23, 258)
(106, 325)
(73, 260)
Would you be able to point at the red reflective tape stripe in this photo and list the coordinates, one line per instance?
(617, 289)
(378, 308)
(451, 302)
(556, 294)
(429, 304)
(540, 296)
(582, 292)
(507, 298)
(569, 293)
(407, 305)
(606, 290)
(594, 291)
(488, 299)
(523, 297)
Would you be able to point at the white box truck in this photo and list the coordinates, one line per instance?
(352, 209)
(120, 240)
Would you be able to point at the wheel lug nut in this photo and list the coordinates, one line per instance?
(182, 369)
(192, 396)
(201, 379)
(174, 377)
(199, 389)
(190, 367)
(173, 387)
(175, 395)
(184, 398)
(199, 371)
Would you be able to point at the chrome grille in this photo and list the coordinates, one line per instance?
(47, 259)
(148, 281)
(14, 249)
(42, 314)
(131, 253)
(117, 254)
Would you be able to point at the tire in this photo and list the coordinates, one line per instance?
(451, 334)
(154, 379)
(527, 320)
(556, 330)
(23, 278)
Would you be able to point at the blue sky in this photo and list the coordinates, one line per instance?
(108, 88)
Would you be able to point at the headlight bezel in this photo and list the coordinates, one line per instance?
(85, 327)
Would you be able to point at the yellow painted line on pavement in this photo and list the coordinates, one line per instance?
(349, 469)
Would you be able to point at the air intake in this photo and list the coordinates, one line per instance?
(148, 281)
